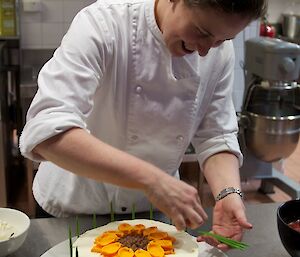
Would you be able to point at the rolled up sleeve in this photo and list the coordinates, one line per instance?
(43, 127)
(218, 130)
(66, 87)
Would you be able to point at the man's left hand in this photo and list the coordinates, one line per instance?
(229, 220)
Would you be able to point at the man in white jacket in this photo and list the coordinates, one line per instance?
(132, 84)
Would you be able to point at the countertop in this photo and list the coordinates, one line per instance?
(263, 239)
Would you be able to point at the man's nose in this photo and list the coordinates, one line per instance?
(203, 50)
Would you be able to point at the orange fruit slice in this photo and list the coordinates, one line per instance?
(96, 249)
(157, 235)
(125, 227)
(106, 239)
(111, 248)
(116, 232)
(142, 253)
(155, 250)
(165, 244)
(149, 230)
(139, 228)
(125, 252)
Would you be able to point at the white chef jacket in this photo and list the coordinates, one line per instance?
(114, 77)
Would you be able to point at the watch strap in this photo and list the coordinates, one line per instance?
(228, 191)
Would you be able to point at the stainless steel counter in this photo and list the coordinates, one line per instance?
(263, 238)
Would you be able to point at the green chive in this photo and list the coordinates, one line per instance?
(112, 214)
(94, 221)
(70, 242)
(133, 212)
(77, 227)
(230, 242)
(76, 252)
(151, 212)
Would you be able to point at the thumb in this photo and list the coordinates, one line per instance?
(242, 220)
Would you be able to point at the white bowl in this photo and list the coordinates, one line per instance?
(20, 223)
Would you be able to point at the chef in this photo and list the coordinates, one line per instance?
(131, 85)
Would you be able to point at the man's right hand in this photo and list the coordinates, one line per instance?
(177, 200)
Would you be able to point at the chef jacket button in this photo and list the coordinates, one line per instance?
(123, 208)
(134, 137)
(138, 89)
(179, 138)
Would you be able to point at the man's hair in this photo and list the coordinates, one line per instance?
(254, 9)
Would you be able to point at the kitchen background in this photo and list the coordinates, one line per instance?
(42, 26)
(44, 22)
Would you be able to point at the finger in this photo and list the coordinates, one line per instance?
(188, 224)
(200, 239)
(242, 220)
(209, 240)
(199, 208)
(237, 237)
(193, 219)
(223, 247)
(213, 242)
(179, 222)
(201, 211)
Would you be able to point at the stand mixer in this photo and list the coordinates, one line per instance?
(269, 123)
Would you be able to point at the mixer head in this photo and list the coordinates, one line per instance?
(272, 59)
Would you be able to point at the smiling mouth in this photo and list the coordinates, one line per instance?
(185, 49)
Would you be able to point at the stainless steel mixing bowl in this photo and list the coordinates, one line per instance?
(271, 130)
(297, 97)
(291, 26)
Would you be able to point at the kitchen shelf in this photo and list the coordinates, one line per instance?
(9, 37)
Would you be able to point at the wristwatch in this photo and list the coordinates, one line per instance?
(227, 191)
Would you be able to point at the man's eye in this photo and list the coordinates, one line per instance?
(201, 33)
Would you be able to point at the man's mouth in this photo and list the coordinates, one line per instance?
(186, 49)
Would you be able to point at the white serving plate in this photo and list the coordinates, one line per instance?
(63, 250)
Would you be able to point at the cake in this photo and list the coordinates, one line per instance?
(151, 235)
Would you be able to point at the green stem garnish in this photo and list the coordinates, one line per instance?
(230, 242)
(151, 212)
(77, 227)
(76, 252)
(70, 242)
(94, 221)
(133, 212)
(112, 214)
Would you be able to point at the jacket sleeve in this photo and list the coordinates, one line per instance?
(218, 130)
(67, 84)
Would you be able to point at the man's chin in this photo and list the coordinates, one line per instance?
(177, 53)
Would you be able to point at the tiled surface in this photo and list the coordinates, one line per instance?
(52, 33)
(33, 35)
(50, 24)
(278, 7)
(238, 86)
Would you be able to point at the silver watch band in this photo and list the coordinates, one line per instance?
(227, 191)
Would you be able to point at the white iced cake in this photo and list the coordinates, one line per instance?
(136, 238)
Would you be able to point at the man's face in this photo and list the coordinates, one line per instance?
(188, 29)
